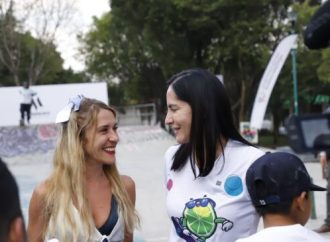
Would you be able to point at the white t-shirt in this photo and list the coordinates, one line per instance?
(27, 95)
(290, 233)
(216, 207)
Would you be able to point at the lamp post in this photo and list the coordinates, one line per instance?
(292, 16)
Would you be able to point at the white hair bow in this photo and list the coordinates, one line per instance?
(64, 114)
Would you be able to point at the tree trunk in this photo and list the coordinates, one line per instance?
(242, 104)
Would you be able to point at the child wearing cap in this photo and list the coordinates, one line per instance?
(279, 186)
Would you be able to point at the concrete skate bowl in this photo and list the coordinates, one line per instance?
(24, 140)
(16, 141)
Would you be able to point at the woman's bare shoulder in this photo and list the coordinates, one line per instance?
(40, 190)
(128, 182)
(129, 186)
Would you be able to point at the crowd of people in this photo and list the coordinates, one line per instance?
(218, 185)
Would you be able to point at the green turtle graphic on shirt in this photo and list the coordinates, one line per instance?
(199, 220)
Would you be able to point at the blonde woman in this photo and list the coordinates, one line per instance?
(84, 198)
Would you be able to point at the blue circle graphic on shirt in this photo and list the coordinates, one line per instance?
(233, 185)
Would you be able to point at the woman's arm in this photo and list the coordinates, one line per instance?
(36, 221)
(130, 188)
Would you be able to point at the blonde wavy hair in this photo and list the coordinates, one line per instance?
(65, 186)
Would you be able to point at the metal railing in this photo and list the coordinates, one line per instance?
(141, 114)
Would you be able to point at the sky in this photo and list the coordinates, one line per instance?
(80, 20)
(67, 41)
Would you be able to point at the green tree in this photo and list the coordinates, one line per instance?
(26, 56)
(144, 42)
(39, 66)
(323, 70)
(312, 72)
(40, 60)
(68, 76)
(10, 41)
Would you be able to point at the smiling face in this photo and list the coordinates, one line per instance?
(101, 139)
(178, 117)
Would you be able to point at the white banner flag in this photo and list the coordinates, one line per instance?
(269, 78)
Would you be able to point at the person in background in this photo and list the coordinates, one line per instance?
(323, 157)
(322, 142)
(207, 199)
(12, 228)
(84, 198)
(317, 32)
(26, 103)
(317, 36)
(279, 186)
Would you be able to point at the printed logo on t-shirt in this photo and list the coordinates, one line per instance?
(169, 184)
(199, 220)
(233, 185)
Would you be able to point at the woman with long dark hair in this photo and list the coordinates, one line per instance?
(207, 199)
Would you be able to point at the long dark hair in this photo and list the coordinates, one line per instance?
(10, 207)
(211, 119)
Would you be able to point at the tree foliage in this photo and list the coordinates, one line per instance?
(143, 43)
(312, 73)
(31, 55)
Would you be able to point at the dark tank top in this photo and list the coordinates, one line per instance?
(110, 223)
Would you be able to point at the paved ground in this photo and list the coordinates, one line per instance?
(140, 155)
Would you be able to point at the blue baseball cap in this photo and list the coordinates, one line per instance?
(278, 177)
